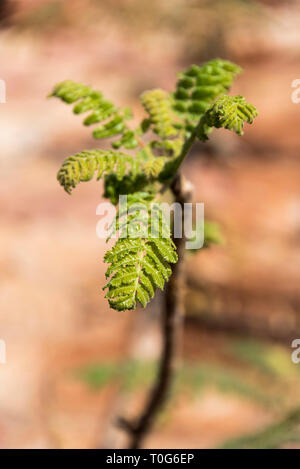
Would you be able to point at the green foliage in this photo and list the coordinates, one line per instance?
(87, 100)
(162, 121)
(226, 381)
(212, 234)
(197, 87)
(191, 378)
(154, 166)
(83, 166)
(272, 360)
(129, 184)
(273, 437)
(97, 376)
(133, 374)
(229, 112)
(158, 105)
(140, 262)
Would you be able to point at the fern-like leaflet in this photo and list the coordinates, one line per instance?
(162, 121)
(158, 105)
(197, 87)
(87, 100)
(229, 112)
(139, 261)
(83, 166)
(141, 258)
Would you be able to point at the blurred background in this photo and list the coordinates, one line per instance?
(73, 365)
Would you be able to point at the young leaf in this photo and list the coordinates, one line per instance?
(198, 87)
(86, 100)
(229, 112)
(158, 105)
(139, 261)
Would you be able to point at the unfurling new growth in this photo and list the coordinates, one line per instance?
(174, 121)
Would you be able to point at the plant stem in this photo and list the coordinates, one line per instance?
(171, 319)
(187, 146)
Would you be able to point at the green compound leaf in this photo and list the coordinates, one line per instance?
(87, 100)
(158, 105)
(83, 166)
(139, 261)
(163, 122)
(154, 166)
(212, 235)
(123, 173)
(229, 112)
(130, 183)
(198, 87)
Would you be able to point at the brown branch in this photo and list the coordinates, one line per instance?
(171, 318)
